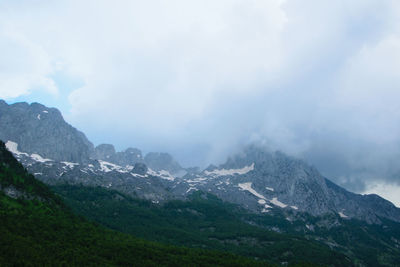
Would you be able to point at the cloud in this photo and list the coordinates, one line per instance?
(24, 65)
(316, 79)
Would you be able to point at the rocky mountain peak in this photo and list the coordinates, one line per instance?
(162, 161)
(41, 130)
(106, 152)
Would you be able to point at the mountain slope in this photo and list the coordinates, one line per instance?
(202, 221)
(206, 221)
(36, 229)
(261, 181)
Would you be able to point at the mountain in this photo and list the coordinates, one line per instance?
(261, 180)
(257, 189)
(256, 179)
(38, 230)
(41, 130)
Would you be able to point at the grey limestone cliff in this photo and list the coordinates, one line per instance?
(42, 130)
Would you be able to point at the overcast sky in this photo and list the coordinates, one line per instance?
(313, 78)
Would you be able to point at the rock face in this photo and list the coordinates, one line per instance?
(140, 168)
(41, 130)
(256, 179)
(261, 180)
(107, 152)
(162, 161)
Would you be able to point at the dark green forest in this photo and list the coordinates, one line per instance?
(204, 221)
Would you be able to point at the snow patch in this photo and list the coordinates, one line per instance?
(38, 116)
(190, 189)
(45, 111)
(139, 175)
(106, 166)
(261, 201)
(276, 202)
(294, 207)
(342, 215)
(38, 158)
(197, 180)
(266, 208)
(70, 165)
(269, 188)
(310, 227)
(13, 148)
(247, 187)
(166, 175)
(224, 172)
(38, 173)
(151, 172)
(163, 174)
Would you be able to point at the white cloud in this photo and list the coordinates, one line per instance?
(307, 76)
(24, 65)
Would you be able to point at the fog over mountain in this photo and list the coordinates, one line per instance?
(316, 79)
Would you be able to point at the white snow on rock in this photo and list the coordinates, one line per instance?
(342, 215)
(163, 174)
(151, 172)
(224, 172)
(294, 207)
(269, 188)
(276, 202)
(70, 165)
(139, 175)
(38, 116)
(39, 158)
(166, 175)
(45, 111)
(108, 166)
(197, 180)
(13, 148)
(266, 208)
(247, 187)
(38, 173)
(190, 189)
(261, 201)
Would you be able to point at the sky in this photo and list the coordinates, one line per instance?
(316, 79)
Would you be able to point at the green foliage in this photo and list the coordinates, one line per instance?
(13, 174)
(204, 222)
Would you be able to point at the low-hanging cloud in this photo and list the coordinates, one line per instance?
(316, 79)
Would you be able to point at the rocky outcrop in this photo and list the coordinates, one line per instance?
(107, 152)
(41, 130)
(162, 161)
